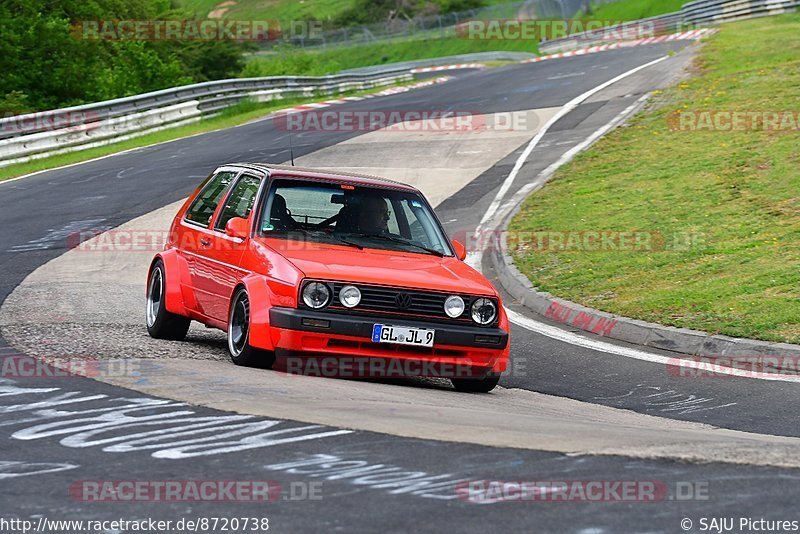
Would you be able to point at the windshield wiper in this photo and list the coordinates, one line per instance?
(348, 243)
(311, 233)
(403, 242)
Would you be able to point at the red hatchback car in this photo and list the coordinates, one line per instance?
(302, 264)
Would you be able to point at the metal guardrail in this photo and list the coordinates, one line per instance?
(636, 29)
(35, 135)
(212, 96)
(32, 136)
(717, 11)
(476, 57)
(692, 14)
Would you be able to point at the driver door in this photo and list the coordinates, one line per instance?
(224, 253)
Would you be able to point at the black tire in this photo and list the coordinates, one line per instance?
(239, 348)
(162, 324)
(476, 385)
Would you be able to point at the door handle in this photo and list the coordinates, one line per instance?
(205, 242)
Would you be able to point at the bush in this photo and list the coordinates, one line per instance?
(372, 11)
(51, 68)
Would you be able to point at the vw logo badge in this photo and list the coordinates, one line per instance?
(403, 301)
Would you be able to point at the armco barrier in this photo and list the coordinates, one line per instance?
(717, 11)
(32, 136)
(700, 12)
(122, 118)
(648, 27)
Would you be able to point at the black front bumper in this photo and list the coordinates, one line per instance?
(361, 326)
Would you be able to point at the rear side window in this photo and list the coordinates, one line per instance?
(241, 200)
(204, 206)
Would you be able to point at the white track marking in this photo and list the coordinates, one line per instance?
(565, 158)
(691, 35)
(271, 115)
(564, 335)
(674, 361)
(568, 107)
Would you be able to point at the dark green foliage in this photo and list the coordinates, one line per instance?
(45, 66)
(372, 11)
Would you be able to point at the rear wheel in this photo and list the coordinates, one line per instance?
(476, 385)
(162, 324)
(239, 335)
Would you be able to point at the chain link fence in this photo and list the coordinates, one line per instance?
(436, 26)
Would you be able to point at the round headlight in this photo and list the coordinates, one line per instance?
(350, 296)
(316, 295)
(454, 306)
(484, 311)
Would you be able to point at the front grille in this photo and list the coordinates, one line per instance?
(390, 301)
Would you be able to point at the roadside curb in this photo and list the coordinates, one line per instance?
(579, 49)
(576, 316)
(448, 67)
(573, 315)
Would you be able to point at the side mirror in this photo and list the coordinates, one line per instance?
(460, 249)
(237, 228)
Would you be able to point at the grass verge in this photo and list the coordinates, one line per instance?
(239, 114)
(281, 10)
(634, 9)
(330, 61)
(735, 195)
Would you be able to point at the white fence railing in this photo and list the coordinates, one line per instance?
(692, 14)
(36, 135)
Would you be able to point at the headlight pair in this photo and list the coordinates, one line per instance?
(317, 295)
(483, 310)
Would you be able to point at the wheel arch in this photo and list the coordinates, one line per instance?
(259, 294)
(175, 274)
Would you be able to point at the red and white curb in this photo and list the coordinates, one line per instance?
(406, 88)
(449, 67)
(682, 36)
(344, 100)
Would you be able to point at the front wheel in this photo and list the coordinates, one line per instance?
(162, 324)
(476, 385)
(239, 335)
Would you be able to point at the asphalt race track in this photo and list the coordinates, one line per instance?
(57, 432)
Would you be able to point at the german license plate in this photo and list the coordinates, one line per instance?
(402, 335)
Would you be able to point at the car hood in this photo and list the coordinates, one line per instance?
(385, 267)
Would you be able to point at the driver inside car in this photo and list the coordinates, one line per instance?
(280, 216)
(373, 217)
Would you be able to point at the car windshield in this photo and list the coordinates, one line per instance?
(351, 215)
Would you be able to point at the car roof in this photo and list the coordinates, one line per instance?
(318, 174)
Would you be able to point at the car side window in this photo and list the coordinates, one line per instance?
(415, 226)
(240, 201)
(204, 206)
